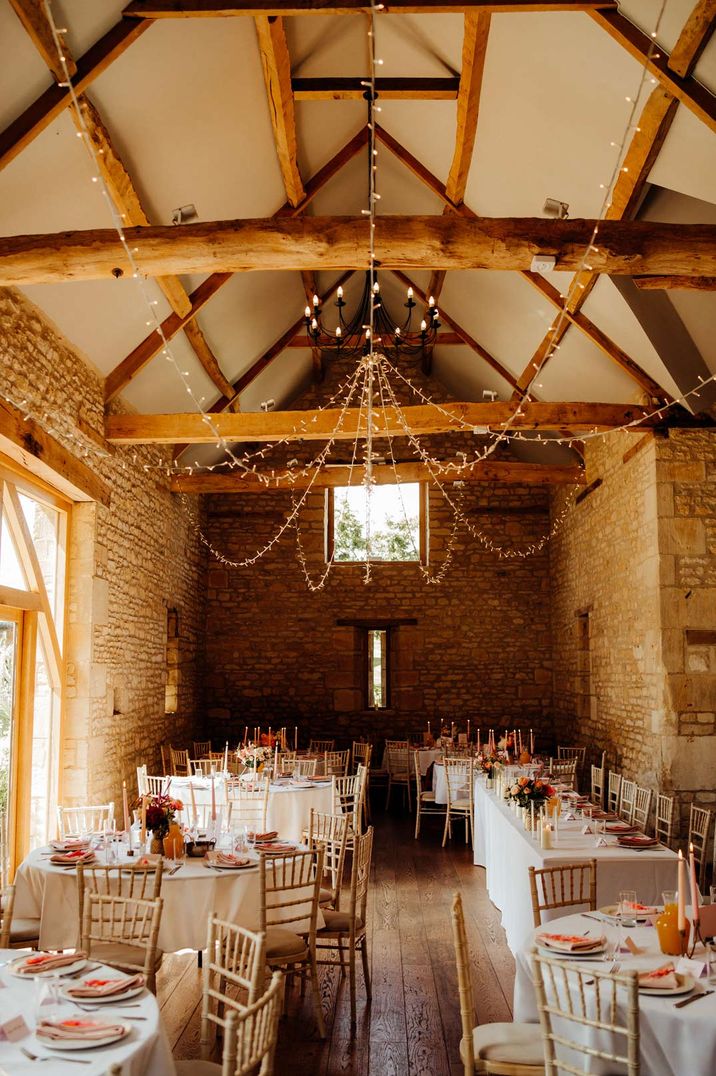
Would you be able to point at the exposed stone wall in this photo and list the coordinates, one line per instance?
(128, 563)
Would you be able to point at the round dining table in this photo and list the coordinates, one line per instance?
(673, 1041)
(144, 1052)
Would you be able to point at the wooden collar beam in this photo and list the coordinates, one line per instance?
(626, 248)
(422, 419)
(387, 89)
(187, 9)
(528, 474)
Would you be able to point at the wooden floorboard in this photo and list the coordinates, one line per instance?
(412, 1027)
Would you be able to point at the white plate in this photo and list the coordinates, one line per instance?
(67, 969)
(83, 1044)
(86, 1000)
(572, 956)
(610, 912)
(235, 867)
(686, 985)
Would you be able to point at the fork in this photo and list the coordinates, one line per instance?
(69, 1060)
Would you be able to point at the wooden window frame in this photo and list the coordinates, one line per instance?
(330, 517)
(366, 664)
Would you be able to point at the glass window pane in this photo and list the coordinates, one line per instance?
(11, 574)
(383, 524)
(44, 714)
(43, 524)
(8, 665)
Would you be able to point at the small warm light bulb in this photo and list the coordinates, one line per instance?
(397, 331)
(307, 312)
(315, 301)
(339, 293)
(376, 288)
(367, 334)
(410, 293)
(431, 301)
(423, 325)
(314, 324)
(338, 332)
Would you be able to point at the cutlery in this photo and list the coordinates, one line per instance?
(177, 868)
(100, 1008)
(69, 1060)
(694, 997)
(82, 971)
(596, 918)
(117, 1005)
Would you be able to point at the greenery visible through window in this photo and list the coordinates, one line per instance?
(377, 669)
(394, 523)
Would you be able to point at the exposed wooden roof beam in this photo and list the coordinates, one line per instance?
(528, 474)
(50, 104)
(182, 9)
(675, 283)
(387, 89)
(693, 38)
(137, 359)
(474, 51)
(276, 64)
(33, 17)
(450, 417)
(692, 94)
(401, 242)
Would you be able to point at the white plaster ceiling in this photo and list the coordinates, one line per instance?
(186, 108)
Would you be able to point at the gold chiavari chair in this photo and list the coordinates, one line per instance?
(642, 808)
(319, 747)
(362, 755)
(235, 960)
(627, 797)
(74, 821)
(564, 771)
(459, 781)
(664, 830)
(166, 751)
(350, 926)
(330, 831)
(305, 767)
(598, 782)
(397, 761)
(247, 806)
(132, 880)
(699, 826)
(249, 1040)
(348, 793)
(424, 800)
(602, 1005)
(614, 792)
(335, 763)
(287, 762)
(200, 748)
(179, 762)
(7, 906)
(396, 745)
(14, 933)
(501, 1049)
(202, 767)
(568, 885)
(290, 888)
(123, 932)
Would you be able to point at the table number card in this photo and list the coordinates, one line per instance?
(13, 1028)
(697, 968)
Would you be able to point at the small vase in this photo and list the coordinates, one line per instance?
(173, 843)
(489, 784)
(671, 941)
(155, 848)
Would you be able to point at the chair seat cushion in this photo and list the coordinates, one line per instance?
(197, 1068)
(518, 1044)
(123, 954)
(427, 797)
(462, 803)
(283, 943)
(24, 930)
(325, 896)
(338, 922)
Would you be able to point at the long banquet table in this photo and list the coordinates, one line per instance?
(506, 850)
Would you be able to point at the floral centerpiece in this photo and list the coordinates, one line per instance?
(254, 757)
(527, 790)
(487, 764)
(161, 814)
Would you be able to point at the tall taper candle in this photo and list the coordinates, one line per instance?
(532, 743)
(226, 757)
(694, 886)
(193, 804)
(125, 805)
(144, 819)
(295, 737)
(681, 923)
(213, 800)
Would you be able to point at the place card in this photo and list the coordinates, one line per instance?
(570, 817)
(13, 1028)
(697, 968)
(587, 829)
(633, 947)
(601, 843)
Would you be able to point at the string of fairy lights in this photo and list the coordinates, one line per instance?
(371, 380)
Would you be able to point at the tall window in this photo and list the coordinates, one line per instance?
(377, 680)
(33, 537)
(387, 524)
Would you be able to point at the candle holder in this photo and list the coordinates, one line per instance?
(696, 936)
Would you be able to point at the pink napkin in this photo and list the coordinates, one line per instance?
(57, 1030)
(569, 943)
(69, 844)
(40, 962)
(78, 856)
(663, 978)
(226, 859)
(103, 988)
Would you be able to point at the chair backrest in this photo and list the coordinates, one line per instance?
(234, 962)
(330, 831)
(335, 763)
(200, 748)
(360, 878)
(464, 983)
(202, 767)
(201, 819)
(135, 881)
(287, 762)
(565, 753)
(305, 767)
(699, 826)
(166, 750)
(564, 770)
(361, 753)
(123, 921)
(585, 1014)
(179, 762)
(149, 784)
(248, 805)
(7, 905)
(348, 797)
(397, 763)
(82, 820)
(598, 781)
(458, 778)
(251, 1036)
(318, 747)
(397, 744)
(565, 886)
(642, 808)
(290, 888)
(664, 829)
(615, 788)
(4, 852)
(627, 797)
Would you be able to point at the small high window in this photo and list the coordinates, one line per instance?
(392, 528)
(377, 668)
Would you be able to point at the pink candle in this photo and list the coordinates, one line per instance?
(125, 805)
(694, 886)
(213, 800)
(246, 734)
(193, 803)
(275, 762)
(144, 819)
(532, 743)
(681, 923)
(478, 739)
(226, 757)
(468, 730)
(295, 737)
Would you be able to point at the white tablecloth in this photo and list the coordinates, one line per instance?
(145, 1052)
(674, 1042)
(289, 808)
(506, 850)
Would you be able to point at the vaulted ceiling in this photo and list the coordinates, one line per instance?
(247, 116)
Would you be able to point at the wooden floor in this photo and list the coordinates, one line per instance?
(413, 1024)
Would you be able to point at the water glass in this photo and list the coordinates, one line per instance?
(47, 997)
(712, 894)
(627, 911)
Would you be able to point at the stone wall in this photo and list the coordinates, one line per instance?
(129, 563)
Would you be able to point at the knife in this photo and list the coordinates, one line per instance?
(694, 997)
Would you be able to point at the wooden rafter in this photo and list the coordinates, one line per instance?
(182, 9)
(137, 359)
(693, 38)
(31, 14)
(276, 64)
(675, 283)
(692, 94)
(401, 242)
(529, 474)
(450, 417)
(387, 89)
(50, 104)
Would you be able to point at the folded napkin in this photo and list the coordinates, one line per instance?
(663, 978)
(226, 859)
(269, 836)
(569, 943)
(642, 909)
(318, 777)
(58, 1030)
(638, 840)
(148, 860)
(69, 844)
(41, 962)
(104, 988)
(276, 846)
(621, 827)
(78, 856)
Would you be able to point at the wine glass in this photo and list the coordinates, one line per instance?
(627, 907)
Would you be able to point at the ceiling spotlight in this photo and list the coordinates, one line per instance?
(268, 405)
(184, 214)
(489, 394)
(554, 208)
